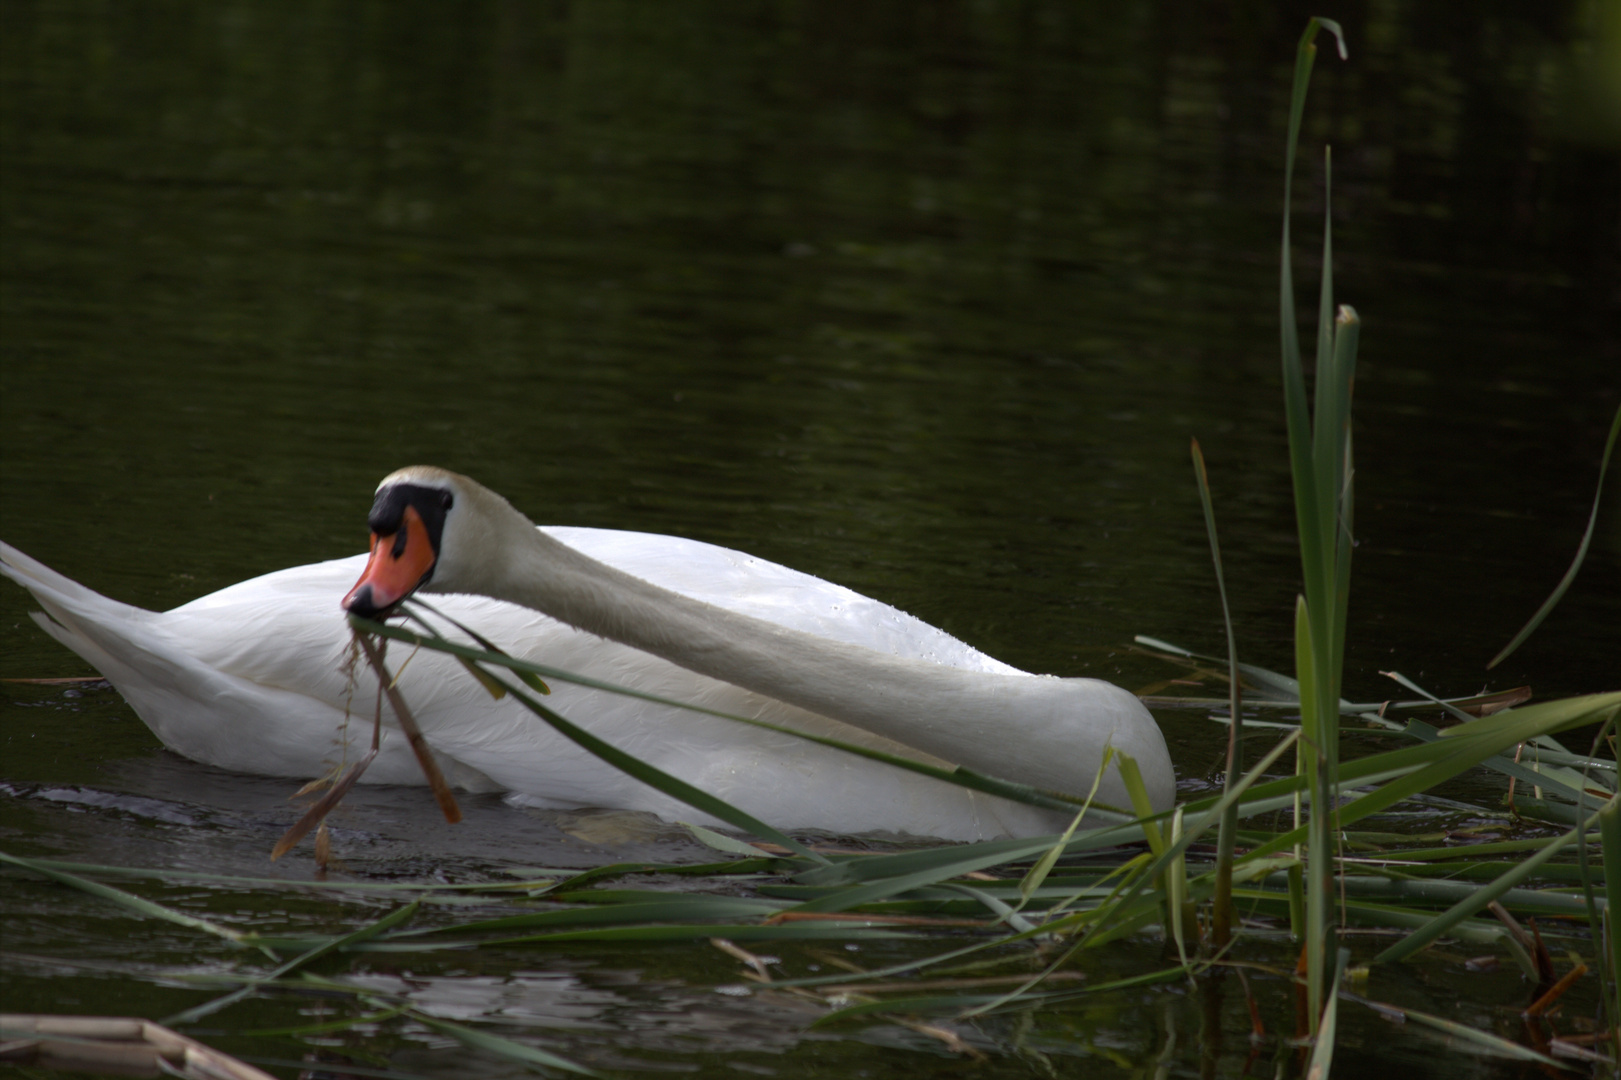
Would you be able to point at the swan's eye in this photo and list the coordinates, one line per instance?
(446, 499)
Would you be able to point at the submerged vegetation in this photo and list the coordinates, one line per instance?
(1297, 852)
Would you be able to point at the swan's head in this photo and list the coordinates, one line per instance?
(434, 530)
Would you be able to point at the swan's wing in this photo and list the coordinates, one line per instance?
(753, 586)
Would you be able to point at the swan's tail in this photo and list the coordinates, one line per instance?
(95, 627)
(196, 708)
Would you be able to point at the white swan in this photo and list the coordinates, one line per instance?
(251, 678)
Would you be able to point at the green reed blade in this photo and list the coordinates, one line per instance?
(1558, 779)
(1439, 761)
(1003, 911)
(967, 861)
(1315, 882)
(852, 929)
(666, 908)
(1174, 849)
(1459, 1035)
(323, 1027)
(1264, 678)
(530, 679)
(130, 901)
(1609, 822)
(291, 884)
(1526, 722)
(1426, 893)
(1576, 563)
(1294, 384)
(1317, 466)
(1322, 1054)
(1043, 866)
(1326, 442)
(499, 1045)
(353, 938)
(1347, 334)
(1479, 898)
(1222, 905)
(961, 777)
(957, 860)
(926, 868)
(721, 842)
(660, 780)
(923, 1004)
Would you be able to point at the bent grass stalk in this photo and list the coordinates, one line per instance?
(1222, 905)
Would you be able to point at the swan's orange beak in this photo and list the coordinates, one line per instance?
(399, 563)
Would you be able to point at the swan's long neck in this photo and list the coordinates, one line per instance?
(1044, 731)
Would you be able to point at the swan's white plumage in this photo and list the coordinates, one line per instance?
(252, 678)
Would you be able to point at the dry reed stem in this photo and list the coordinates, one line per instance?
(323, 806)
(124, 1046)
(413, 735)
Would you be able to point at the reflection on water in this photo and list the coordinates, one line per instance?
(926, 299)
(162, 810)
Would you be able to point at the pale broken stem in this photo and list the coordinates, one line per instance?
(323, 851)
(106, 1044)
(413, 735)
(757, 963)
(950, 1038)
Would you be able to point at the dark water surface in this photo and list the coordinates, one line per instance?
(923, 298)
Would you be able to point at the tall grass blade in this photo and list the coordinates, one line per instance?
(365, 933)
(721, 842)
(1179, 905)
(1222, 902)
(1115, 928)
(1278, 689)
(961, 777)
(1043, 866)
(530, 679)
(660, 780)
(646, 908)
(1322, 1054)
(1556, 779)
(1319, 464)
(1461, 1034)
(1133, 778)
(1401, 774)
(234, 881)
(1310, 759)
(1576, 563)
